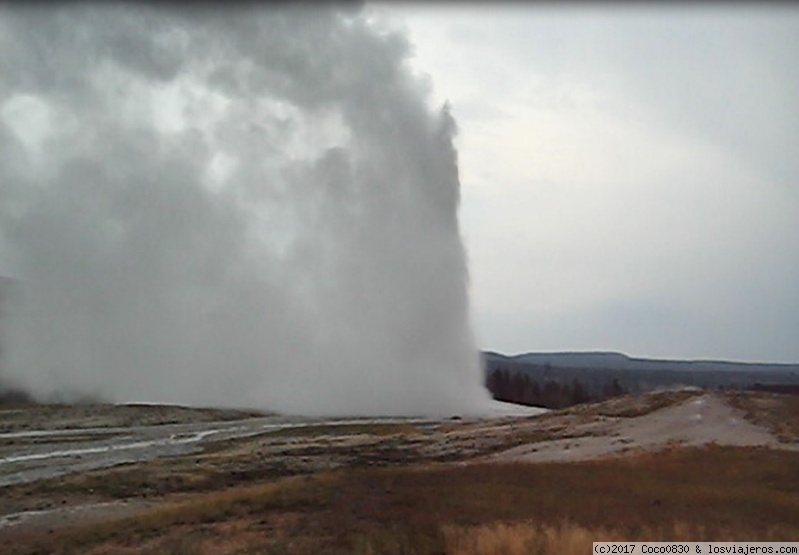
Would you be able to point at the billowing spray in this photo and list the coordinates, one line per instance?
(240, 207)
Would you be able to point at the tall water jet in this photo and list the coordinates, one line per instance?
(241, 206)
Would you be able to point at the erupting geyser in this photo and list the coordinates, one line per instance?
(231, 206)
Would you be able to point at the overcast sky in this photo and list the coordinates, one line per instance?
(630, 178)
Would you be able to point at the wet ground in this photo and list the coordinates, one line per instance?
(35, 454)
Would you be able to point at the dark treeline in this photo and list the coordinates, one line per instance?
(789, 389)
(545, 385)
(517, 387)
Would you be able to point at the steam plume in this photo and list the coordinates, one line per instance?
(246, 206)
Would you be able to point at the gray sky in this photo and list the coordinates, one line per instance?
(630, 178)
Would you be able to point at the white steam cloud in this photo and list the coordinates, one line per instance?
(241, 207)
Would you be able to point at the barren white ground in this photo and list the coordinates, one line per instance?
(699, 420)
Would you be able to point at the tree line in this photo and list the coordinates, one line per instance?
(518, 387)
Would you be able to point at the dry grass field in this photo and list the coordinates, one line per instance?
(779, 413)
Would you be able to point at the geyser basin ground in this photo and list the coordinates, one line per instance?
(44, 441)
(212, 494)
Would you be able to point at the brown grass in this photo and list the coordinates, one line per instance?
(75, 416)
(123, 482)
(568, 538)
(723, 487)
(776, 411)
(704, 494)
(289, 494)
(522, 539)
(632, 406)
(323, 430)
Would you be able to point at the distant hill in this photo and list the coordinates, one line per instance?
(560, 379)
(620, 361)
